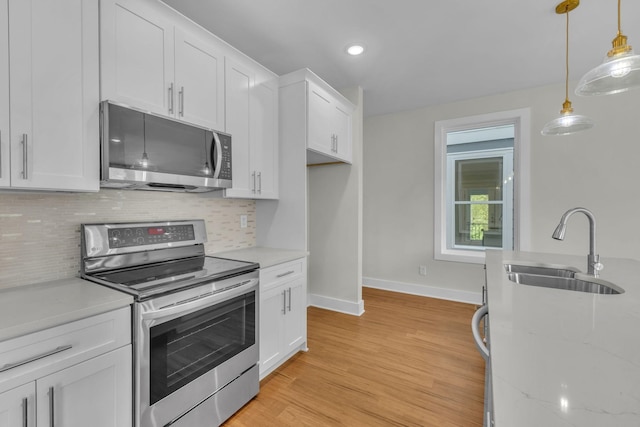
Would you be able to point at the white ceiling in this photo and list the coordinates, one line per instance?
(420, 52)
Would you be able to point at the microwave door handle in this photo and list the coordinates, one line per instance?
(218, 165)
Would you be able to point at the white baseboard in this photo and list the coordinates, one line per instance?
(423, 290)
(334, 304)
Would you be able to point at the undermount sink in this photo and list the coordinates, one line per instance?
(566, 278)
(543, 270)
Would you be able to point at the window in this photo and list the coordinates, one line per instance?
(482, 183)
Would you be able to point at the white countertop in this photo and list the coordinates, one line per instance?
(31, 308)
(266, 257)
(564, 358)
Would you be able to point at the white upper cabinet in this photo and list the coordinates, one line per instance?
(329, 117)
(51, 140)
(137, 55)
(251, 101)
(199, 80)
(151, 62)
(5, 179)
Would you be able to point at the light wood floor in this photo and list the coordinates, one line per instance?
(408, 361)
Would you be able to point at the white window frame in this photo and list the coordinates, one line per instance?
(521, 120)
(507, 194)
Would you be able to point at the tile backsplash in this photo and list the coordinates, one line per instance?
(40, 232)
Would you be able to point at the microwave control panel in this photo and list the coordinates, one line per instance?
(141, 236)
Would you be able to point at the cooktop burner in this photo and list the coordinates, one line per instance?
(205, 268)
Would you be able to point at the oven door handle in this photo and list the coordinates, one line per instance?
(192, 304)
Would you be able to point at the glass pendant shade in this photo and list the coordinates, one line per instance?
(567, 124)
(144, 161)
(619, 72)
(616, 74)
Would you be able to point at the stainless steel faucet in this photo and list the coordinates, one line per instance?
(593, 259)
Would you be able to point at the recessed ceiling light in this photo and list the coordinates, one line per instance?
(355, 49)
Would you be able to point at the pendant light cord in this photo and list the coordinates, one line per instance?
(619, 23)
(566, 80)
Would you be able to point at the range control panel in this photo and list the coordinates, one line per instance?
(140, 236)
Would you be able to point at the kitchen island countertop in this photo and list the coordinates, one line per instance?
(266, 257)
(31, 308)
(564, 358)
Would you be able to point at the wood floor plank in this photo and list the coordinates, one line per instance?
(407, 361)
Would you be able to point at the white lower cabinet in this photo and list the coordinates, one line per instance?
(74, 383)
(283, 314)
(94, 393)
(17, 406)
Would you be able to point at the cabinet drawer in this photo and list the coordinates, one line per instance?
(31, 356)
(271, 276)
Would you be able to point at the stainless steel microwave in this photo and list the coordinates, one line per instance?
(143, 151)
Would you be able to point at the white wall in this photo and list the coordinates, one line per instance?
(335, 226)
(596, 169)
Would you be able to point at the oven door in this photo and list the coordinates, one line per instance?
(191, 344)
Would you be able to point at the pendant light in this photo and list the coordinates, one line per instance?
(619, 72)
(568, 122)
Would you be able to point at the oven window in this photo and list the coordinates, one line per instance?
(187, 347)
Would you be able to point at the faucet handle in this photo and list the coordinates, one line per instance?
(598, 266)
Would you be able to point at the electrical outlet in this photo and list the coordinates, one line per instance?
(243, 221)
(423, 270)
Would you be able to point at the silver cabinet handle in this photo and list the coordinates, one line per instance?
(336, 143)
(181, 100)
(259, 182)
(253, 175)
(25, 412)
(0, 154)
(34, 358)
(25, 154)
(285, 274)
(52, 422)
(171, 98)
(284, 302)
(475, 329)
(289, 306)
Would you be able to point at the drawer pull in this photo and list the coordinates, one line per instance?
(34, 358)
(285, 274)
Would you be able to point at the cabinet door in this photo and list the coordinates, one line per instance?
(238, 82)
(320, 133)
(264, 138)
(5, 180)
(96, 393)
(295, 319)
(199, 80)
(137, 55)
(342, 119)
(53, 60)
(17, 406)
(272, 309)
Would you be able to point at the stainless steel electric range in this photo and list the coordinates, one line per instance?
(195, 334)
